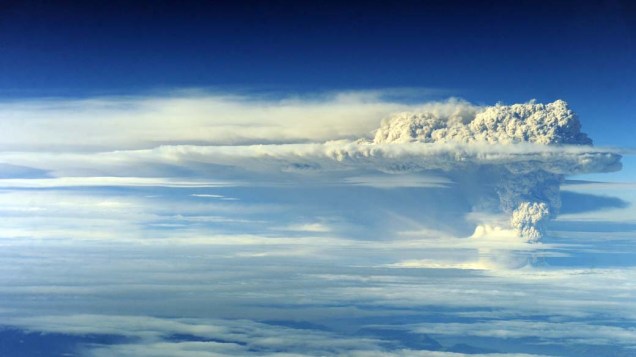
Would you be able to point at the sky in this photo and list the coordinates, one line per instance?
(284, 178)
(485, 51)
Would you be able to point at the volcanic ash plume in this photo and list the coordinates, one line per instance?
(528, 190)
(509, 159)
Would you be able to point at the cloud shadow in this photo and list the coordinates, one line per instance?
(574, 202)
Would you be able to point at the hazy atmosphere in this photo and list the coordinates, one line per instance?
(278, 178)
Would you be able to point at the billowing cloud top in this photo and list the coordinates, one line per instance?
(546, 124)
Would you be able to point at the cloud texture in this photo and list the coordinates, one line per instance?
(509, 159)
(526, 188)
(172, 226)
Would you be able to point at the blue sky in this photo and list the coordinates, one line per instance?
(317, 178)
(485, 52)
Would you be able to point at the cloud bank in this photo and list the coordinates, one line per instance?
(316, 241)
(507, 159)
(188, 117)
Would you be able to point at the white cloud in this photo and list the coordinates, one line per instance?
(523, 149)
(545, 124)
(106, 231)
(217, 337)
(56, 182)
(188, 117)
(220, 336)
(552, 332)
(517, 174)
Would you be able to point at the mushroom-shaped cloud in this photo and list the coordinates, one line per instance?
(522, 151)
(505, 159)
(509, 159)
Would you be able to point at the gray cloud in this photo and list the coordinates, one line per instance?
(546, 124)
(528, 189)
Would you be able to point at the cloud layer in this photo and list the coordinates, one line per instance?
(545, 124)
(188, 117)
(504, 158)
(305, 236)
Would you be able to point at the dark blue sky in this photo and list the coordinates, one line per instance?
(484, 51)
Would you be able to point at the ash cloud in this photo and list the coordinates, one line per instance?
(527, 188)
(507, 159)
(547, 124)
